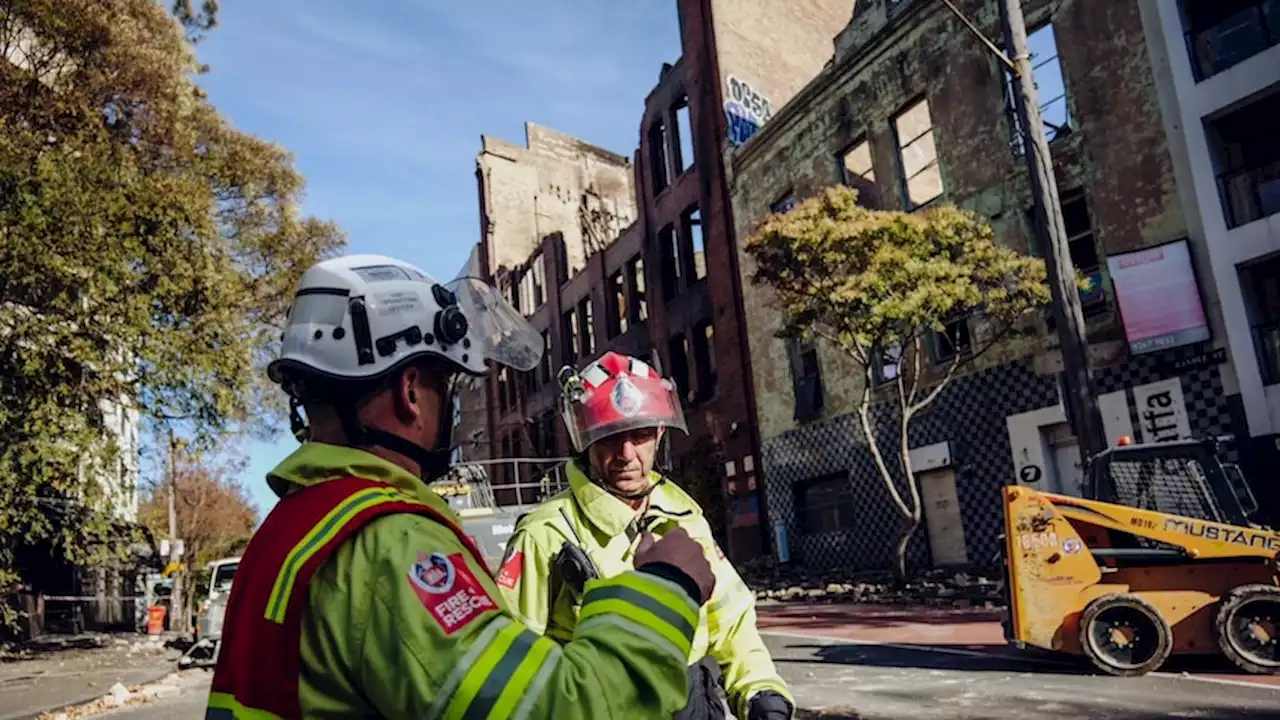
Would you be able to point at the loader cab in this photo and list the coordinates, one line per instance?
(1180, 477)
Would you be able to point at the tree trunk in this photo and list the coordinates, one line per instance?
(900, 550)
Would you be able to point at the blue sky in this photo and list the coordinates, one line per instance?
(383, 105)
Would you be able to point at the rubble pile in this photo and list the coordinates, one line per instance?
(119, 696)
(934, 587)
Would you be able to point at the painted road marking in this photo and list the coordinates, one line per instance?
(991, 656)
(921, 648)
(1222, 681)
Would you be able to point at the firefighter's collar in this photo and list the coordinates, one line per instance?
(612, 516)
(316, 462)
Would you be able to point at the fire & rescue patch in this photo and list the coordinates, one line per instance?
(448, 590)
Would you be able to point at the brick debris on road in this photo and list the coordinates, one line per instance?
(63, 671)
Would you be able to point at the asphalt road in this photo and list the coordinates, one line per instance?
(877, 681)
(835, 678)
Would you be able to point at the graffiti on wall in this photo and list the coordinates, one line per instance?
(745, 110)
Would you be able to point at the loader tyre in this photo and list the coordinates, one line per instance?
(1247, 628)
(1124, 635)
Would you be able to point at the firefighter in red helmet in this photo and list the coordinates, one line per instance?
(618, 411)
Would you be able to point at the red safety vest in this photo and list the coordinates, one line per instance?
(261, 648)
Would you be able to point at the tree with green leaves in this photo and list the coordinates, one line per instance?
(148, 253)
(875, 285)
(215, 517)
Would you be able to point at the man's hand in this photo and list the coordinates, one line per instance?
(769, 705)
(681, 552)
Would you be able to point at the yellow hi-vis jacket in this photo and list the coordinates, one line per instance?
(386, 633)
(726, 625)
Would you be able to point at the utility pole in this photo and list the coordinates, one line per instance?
(1080, 395)
(177, 615)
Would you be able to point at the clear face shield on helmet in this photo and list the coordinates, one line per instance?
(496, 329)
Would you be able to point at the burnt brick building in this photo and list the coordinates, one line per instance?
(914, 112)
(661, 283)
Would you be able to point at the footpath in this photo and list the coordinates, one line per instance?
(71, 670)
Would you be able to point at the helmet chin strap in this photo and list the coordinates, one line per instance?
(432, 463)
(632, 496)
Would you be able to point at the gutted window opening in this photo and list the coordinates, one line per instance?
(684, 130)
(704, 358)
(544, 367)
(562, 259)
(539, 280)
(917, 156)
(697, 256)
(659, 162)
(857, 171)
(619, 312)
(1082, 246)
(954, 339)
(544, 435)
(1084, 249)
(1051, 90)
(502, 390)
(885, 368)
(669, 247)
(678, 349)
(504, 470)
(639, 309)
(586, 330)
(569, 333)
(806, 375)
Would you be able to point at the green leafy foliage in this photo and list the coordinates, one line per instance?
(874, 283)
(148, 252)
(866, 278)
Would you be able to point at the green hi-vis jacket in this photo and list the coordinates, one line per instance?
(726, 625)
(381, 634)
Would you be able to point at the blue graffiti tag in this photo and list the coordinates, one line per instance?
(740, 123)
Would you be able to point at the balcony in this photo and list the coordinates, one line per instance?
(1266, 340)
(1249, 194)
(1224, 33)
(1246, 152)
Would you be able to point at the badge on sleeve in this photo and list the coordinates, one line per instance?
(448, 590)
(509, 575)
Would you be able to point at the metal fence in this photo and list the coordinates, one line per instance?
(501, 483)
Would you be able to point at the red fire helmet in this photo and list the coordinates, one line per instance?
(615, 394)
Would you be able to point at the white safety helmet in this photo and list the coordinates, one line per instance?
(359, 318)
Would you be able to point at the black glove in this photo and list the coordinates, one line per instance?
(769, 705)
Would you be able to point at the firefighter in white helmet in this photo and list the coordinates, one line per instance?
(360, 595)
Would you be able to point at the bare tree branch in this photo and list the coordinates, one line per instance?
(864, 414)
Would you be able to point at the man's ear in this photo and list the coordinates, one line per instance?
(408, 394)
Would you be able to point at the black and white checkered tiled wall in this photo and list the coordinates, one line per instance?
(971, 414)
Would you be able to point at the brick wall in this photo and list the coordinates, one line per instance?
(1115, 151)
(551, 203)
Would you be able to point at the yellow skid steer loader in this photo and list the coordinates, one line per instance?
(1160, 558)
